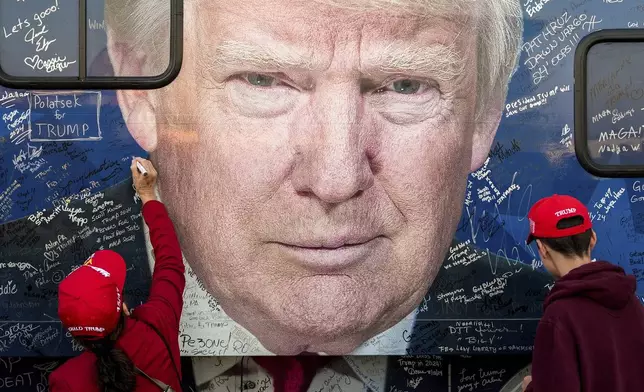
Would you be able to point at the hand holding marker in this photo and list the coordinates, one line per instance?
(141, 169)
(144, 178)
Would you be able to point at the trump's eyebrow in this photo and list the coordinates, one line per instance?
(271, 55)
(439, 61)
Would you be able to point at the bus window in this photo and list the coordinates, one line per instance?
(609, 103)
(62, 44)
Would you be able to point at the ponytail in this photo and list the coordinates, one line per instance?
(116, 372)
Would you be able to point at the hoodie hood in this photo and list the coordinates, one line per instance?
(600, 281)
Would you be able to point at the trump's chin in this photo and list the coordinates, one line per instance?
(329, 314)
(285, 343)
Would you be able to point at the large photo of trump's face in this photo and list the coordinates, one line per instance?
(314, 154)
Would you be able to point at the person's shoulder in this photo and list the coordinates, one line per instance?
(561, 311)
(58, 380)
(67, 374)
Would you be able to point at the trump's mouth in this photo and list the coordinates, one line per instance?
(325, 255)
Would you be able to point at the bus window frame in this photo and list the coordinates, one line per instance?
(84, 82)
(580, 100)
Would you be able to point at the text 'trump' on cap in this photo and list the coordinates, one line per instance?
(90, 298)
(547, 212)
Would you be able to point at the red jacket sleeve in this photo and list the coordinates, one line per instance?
(57, 384)
(554, 360)
(164, 305)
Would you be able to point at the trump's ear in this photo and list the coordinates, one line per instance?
(484, 132)
(136, 106)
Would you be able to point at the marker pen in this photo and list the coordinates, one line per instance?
(141, 169)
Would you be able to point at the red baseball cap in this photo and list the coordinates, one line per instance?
(89, 299)
(547, 212)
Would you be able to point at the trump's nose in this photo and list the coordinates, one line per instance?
(334, 161)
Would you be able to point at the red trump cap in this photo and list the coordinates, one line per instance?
(547, 212)
(89, 299)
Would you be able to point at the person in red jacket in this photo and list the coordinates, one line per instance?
(125, 351)
(590, 336)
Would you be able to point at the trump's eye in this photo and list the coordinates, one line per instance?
(260, 80)
(405, 86)
(265, 80)
(262, 94)
(405, 100)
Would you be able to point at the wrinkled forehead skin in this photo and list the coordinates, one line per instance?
(142, 22)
